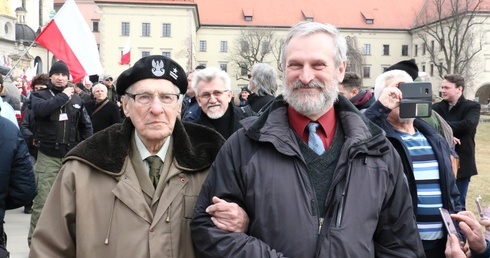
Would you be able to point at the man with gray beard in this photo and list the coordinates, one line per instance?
(213, 94)
(316, 178)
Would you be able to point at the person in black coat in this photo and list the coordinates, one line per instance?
(463, 116)
(17, 185)
(263, 86)
(102, 112)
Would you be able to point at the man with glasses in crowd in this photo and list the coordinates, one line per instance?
(130, 190)
(213, 90)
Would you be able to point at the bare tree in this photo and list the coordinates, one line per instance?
(450, 32)
(254, 45)
(355, 58)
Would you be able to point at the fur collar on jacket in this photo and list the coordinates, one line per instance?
(195, 147)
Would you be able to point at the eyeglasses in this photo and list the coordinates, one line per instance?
(216, 94)
(146, 98)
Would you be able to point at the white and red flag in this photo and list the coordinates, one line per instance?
(69, 38)
(126, 53)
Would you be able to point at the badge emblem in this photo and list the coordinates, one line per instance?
(157, 68)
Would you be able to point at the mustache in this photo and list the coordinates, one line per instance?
(312, 84)
(214, 105)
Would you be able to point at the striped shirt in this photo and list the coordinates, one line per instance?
(426, 173)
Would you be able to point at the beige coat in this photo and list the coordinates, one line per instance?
(103, 205)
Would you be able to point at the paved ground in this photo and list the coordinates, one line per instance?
(17, 226)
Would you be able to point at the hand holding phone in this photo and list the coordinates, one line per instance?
(448, 222)
(479, 207)
(416, 99)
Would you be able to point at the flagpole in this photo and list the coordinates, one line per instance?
(20, 58)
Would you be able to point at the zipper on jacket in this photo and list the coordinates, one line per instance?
(320, 225)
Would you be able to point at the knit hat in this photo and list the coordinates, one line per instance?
(408, 66)
(59, 67)
(246, 89)
(156, 67)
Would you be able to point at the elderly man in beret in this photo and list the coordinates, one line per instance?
(130, 190)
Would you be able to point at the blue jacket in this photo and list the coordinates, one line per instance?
(450, 194)
(17, 185)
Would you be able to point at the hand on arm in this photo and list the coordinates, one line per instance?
(228, 216)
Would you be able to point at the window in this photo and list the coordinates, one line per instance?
(432, 45)
(431, 70)
(423, 68)
(166, 30)
(369, 21)
(248, 18)
(223, 67)
(367, 49)
(384, 69)
(124, 28)
(416, 50)
(166, 53)
(404, 50)
(95, 26)
(264, 48)
(244, 46)
(203, 46)
(366, 72)
(424, 47)
(386, 50)
(243, 69)
(223, 46)
(145, 29)
(145, 53)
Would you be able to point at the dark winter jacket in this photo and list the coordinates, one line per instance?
(27, 128)
(449, 191)
(261, 168)
(256, 102)
(104, 117)
(17, 185)
(229, 122)
(55, 138)
(190, 109)
(463, 119)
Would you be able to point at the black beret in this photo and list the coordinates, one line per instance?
(408, 66)
(156, 67)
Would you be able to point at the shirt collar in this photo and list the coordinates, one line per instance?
(144, 153)
(299, 122)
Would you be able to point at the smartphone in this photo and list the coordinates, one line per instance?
(448, 221)
(416, 99)
(479, 207)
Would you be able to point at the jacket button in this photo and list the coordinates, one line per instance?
(152, 229)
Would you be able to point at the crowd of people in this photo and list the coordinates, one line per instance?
(164, 163)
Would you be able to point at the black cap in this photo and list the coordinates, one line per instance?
(4, 70)
(59, 67)
(408, 66)
(156, 67)
(246, 89)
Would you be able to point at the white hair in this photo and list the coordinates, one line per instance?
(380, 82)
(209, 74)
(99, 85)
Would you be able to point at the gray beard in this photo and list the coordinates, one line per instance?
(309, 103)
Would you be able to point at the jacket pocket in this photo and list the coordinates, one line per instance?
(189, 204)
